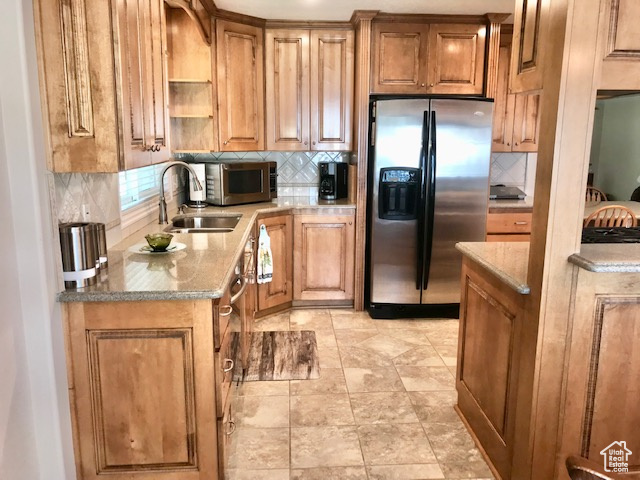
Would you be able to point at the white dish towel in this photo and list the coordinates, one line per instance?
(265, 258)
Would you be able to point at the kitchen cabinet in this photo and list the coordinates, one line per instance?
(309, 85)
(323, 255)
(509, 227)
(193, 118)
(621, 62)
(491, 316)
(240, 82)
(142, 388)
(516, 117)
(103, 116)
(424, 58)
(278, 293)
(529, 45)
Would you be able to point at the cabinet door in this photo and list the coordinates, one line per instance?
(456, 59)
(504, 105)
(399, 58)
(134, 88)
(287, 83)
(279, 291)
(527, 54)
(621, 65)
(156, 84)
(240, 86)
(331, 89)
(526, 123)
(324, 252)
(134, 367)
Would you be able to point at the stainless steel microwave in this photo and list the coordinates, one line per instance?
(233, 183)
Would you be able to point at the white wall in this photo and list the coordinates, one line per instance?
(35, 438)
(617, 168)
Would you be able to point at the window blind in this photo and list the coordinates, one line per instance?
(139, 189)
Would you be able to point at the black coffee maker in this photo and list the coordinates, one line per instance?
(334, 180)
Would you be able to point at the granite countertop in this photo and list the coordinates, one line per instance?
(511, 206)
(608, 257)
(203, 270)
(506, 260)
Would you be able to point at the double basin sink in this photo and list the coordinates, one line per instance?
(206, 223)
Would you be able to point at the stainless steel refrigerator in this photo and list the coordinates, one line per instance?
(428, 189)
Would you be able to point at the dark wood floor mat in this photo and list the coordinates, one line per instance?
(282, 356)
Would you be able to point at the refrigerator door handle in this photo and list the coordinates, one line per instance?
(430, 197)
(421, 223)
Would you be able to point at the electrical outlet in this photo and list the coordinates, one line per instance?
(85, 212)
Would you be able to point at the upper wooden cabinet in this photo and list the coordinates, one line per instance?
(142, 83)
(621, 62)
(103, 116)
(428, 58)
(516, 117)
(309, 85)
(529, 37)
(240, 86)
(456, 59)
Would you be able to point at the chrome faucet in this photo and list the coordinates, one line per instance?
(197, 186)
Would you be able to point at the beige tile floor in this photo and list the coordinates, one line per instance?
(382, 408)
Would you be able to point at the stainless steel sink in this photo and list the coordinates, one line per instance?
(203, 224)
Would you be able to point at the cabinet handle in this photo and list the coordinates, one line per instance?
(228, 361)
(231, 427)
(227, 313)
(350, 223)
(520, 223)
(243, 283)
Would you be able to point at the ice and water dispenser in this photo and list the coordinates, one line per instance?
(399, 193)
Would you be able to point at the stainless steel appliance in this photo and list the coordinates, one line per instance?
(428, 189)
(80, 260)
(233, 183)
(334, 180)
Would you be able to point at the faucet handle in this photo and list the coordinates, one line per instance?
(181, 208)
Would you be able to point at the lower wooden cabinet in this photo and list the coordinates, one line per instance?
(488, 361)
(278, 292)
(140, 388)
(323, 257)
(508, 227)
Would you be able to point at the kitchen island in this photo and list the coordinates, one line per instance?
(152, 348)
(497, 354)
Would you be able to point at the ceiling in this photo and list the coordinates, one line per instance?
(342, 9)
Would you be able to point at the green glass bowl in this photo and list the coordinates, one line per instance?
(159, 241)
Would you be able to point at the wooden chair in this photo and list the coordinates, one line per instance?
(595, 196)
(582, 469)
(612, 216)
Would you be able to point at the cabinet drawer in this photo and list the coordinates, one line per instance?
(508, 223)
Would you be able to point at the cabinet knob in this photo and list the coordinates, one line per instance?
(350, 223)
(224, 143)
(306, 143)
(313, 143)
(431, 85)
(423, 85)
(228, 361)
(508, 144)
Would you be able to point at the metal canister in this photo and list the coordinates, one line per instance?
(78, 244)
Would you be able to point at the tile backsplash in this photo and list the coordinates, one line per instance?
(98, 191)
(297, 171)
(510, 169)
